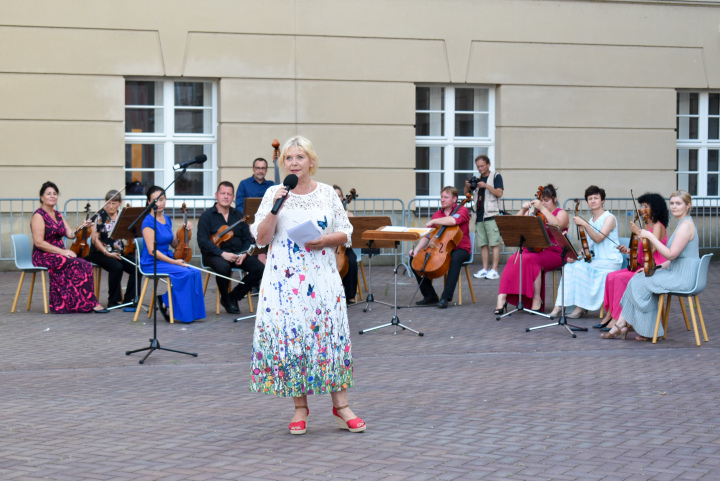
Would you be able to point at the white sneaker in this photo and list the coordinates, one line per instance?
(492, 274)
(480, 274)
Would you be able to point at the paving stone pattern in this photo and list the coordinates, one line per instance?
(472, 399)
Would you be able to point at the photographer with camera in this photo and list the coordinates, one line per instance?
(487, 189)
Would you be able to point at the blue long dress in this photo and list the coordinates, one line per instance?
(188, 299)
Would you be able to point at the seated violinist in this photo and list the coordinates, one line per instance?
(446, 216)
(106, 252)
(231, 252)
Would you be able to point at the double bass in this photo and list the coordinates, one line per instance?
(340, 258)
(587, 255)
(183, 249)
(80, 247)
(433, 260)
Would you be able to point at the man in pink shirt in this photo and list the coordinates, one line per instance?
(446, 217)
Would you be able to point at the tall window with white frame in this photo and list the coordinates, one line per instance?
(453, 125)
(698, 142)
(168, 122)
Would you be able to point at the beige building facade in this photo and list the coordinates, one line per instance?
(97, 95)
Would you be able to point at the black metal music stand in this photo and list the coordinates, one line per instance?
(154, 343)
(122, 231)
(568, 252)
(525, 231)
(382, 237)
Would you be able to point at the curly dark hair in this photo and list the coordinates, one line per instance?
(658, 207)
(594, 189)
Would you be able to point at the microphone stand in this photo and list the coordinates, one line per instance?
(154, 343)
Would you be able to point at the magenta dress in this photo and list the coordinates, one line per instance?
(616, 283)
(71, 279)
(533, 263)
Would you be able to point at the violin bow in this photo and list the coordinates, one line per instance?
(92, 217)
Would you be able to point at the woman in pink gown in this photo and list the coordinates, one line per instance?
(534, 264)
(654, 207)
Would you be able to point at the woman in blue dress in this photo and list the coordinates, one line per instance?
(188, 300)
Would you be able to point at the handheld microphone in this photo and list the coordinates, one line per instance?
(290, 183)
(197, 160)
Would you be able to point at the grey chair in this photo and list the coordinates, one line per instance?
(139, 243)
(23, 261)
(692, 295)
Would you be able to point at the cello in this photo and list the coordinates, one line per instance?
(80, 247)
(587, 255)
(433, 260)
(183, 249)
(340, 258)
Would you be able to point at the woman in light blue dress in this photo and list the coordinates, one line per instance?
(678, 273)
(188, 301)
(585, 281)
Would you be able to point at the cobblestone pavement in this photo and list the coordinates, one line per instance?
(473, 398)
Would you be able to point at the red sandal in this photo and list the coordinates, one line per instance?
(355, 425)
(299, 427)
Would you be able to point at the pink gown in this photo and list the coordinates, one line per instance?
(533, 263)
(616, 283)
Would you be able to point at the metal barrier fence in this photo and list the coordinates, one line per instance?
(15, 214)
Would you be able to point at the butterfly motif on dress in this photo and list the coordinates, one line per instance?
(296, 248)
(323, 224)
(287, 273)
(310, 291)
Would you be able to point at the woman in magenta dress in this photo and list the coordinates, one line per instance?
(534, 264)
(653, 206)
(71, 279)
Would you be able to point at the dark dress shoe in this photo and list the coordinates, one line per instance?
(427, 301)
(230, 305)
(443, 303)
(100, 311)
(601, 325)
(162, 308)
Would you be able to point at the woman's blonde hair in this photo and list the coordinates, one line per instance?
(684, 195)
(304, 144)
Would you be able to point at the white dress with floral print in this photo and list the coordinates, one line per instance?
(301, 343)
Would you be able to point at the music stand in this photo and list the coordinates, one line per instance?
(252, 204)
(122, 231)
(362, 224)
(525, 231)
(382, 237)
(568, 252)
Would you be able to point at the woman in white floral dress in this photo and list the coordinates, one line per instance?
(301, 344)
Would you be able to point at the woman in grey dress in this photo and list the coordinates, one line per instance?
(640, 301)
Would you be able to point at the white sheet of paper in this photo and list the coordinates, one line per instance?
(304, 233)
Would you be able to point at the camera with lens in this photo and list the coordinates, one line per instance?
(473, 183)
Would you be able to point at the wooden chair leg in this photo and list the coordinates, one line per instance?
(702, 321)
(32, 288)
(695, 328)
(362, 271)
(666, 315)
(217, 302)
(97, 274)
(44, 289)
(207, 279)
(602, 311)
(140, 301)
(685, 316)
(152, 306)
(659, 317)
(17, 292)
(472, 290)
(249, 296)
(172, 316)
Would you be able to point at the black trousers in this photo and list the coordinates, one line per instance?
(350, 281)
(115, 269)
(457, 257)
(251, 265)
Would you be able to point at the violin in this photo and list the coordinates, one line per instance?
(183, 249)
(340, 258)
(587, 256)
(633, 264)
(225, 233)
(540, 214)
(635, 246)
(129, 249)
(648, 259)
(80, 247)
(433, 260)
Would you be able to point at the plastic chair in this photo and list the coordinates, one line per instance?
(466, 264)
(217, 293)
(23, 261)
(692, 295)
(139, 242)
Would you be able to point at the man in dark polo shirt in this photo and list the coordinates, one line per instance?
(253, 186)
(230, 253)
